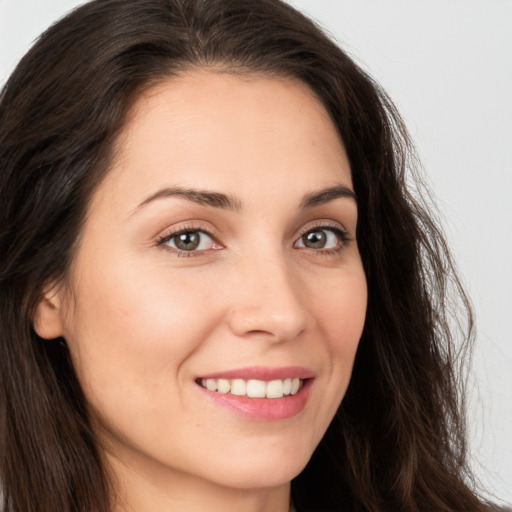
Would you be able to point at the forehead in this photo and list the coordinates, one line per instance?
(219, 130)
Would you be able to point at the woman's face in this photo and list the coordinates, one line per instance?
(219, 251)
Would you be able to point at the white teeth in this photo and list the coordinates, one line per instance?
(287, 386)
(275, 389)
(223, 386)
(254, 388)
(238, 387)
(211, 384)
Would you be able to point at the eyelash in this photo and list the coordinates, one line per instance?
(340, 233)
(163, 240)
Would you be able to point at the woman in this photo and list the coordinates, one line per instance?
(214, 281)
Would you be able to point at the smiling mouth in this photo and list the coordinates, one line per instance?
(254, 388)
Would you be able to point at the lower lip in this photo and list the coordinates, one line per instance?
(264, 409)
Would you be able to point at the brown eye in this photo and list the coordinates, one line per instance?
(190, 241)
(321, 238)
(315, 239)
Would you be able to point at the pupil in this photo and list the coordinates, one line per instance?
(187, 241)
(315, 239)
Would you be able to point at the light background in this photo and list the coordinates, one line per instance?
(448, 66)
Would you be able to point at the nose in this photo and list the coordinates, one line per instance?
(268, 302)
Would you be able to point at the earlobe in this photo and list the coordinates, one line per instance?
(48, 315)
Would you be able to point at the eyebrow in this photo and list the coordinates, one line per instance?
(202, 197)
(325, 195)
(227, 202)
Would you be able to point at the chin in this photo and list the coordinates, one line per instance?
(271, 477)
(273, 470)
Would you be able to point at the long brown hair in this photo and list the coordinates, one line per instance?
(397, 443)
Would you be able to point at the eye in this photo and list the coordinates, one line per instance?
(189, 240)
(322, 238)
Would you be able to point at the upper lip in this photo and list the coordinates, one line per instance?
(263, 373)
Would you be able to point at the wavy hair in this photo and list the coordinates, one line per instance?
(397, 442)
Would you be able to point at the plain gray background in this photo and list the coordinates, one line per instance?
(448, 66)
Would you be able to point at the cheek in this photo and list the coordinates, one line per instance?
(131, 327)
(342, 310)
(341, 315)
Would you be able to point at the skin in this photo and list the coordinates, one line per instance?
(143, 320)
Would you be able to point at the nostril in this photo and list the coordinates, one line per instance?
(268, 305)
(260, 323)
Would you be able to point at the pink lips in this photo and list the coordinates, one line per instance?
(263, 373)
(263, 409)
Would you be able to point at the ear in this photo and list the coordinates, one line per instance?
(48, 315)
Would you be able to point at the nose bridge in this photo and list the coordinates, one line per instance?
(269, 301)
